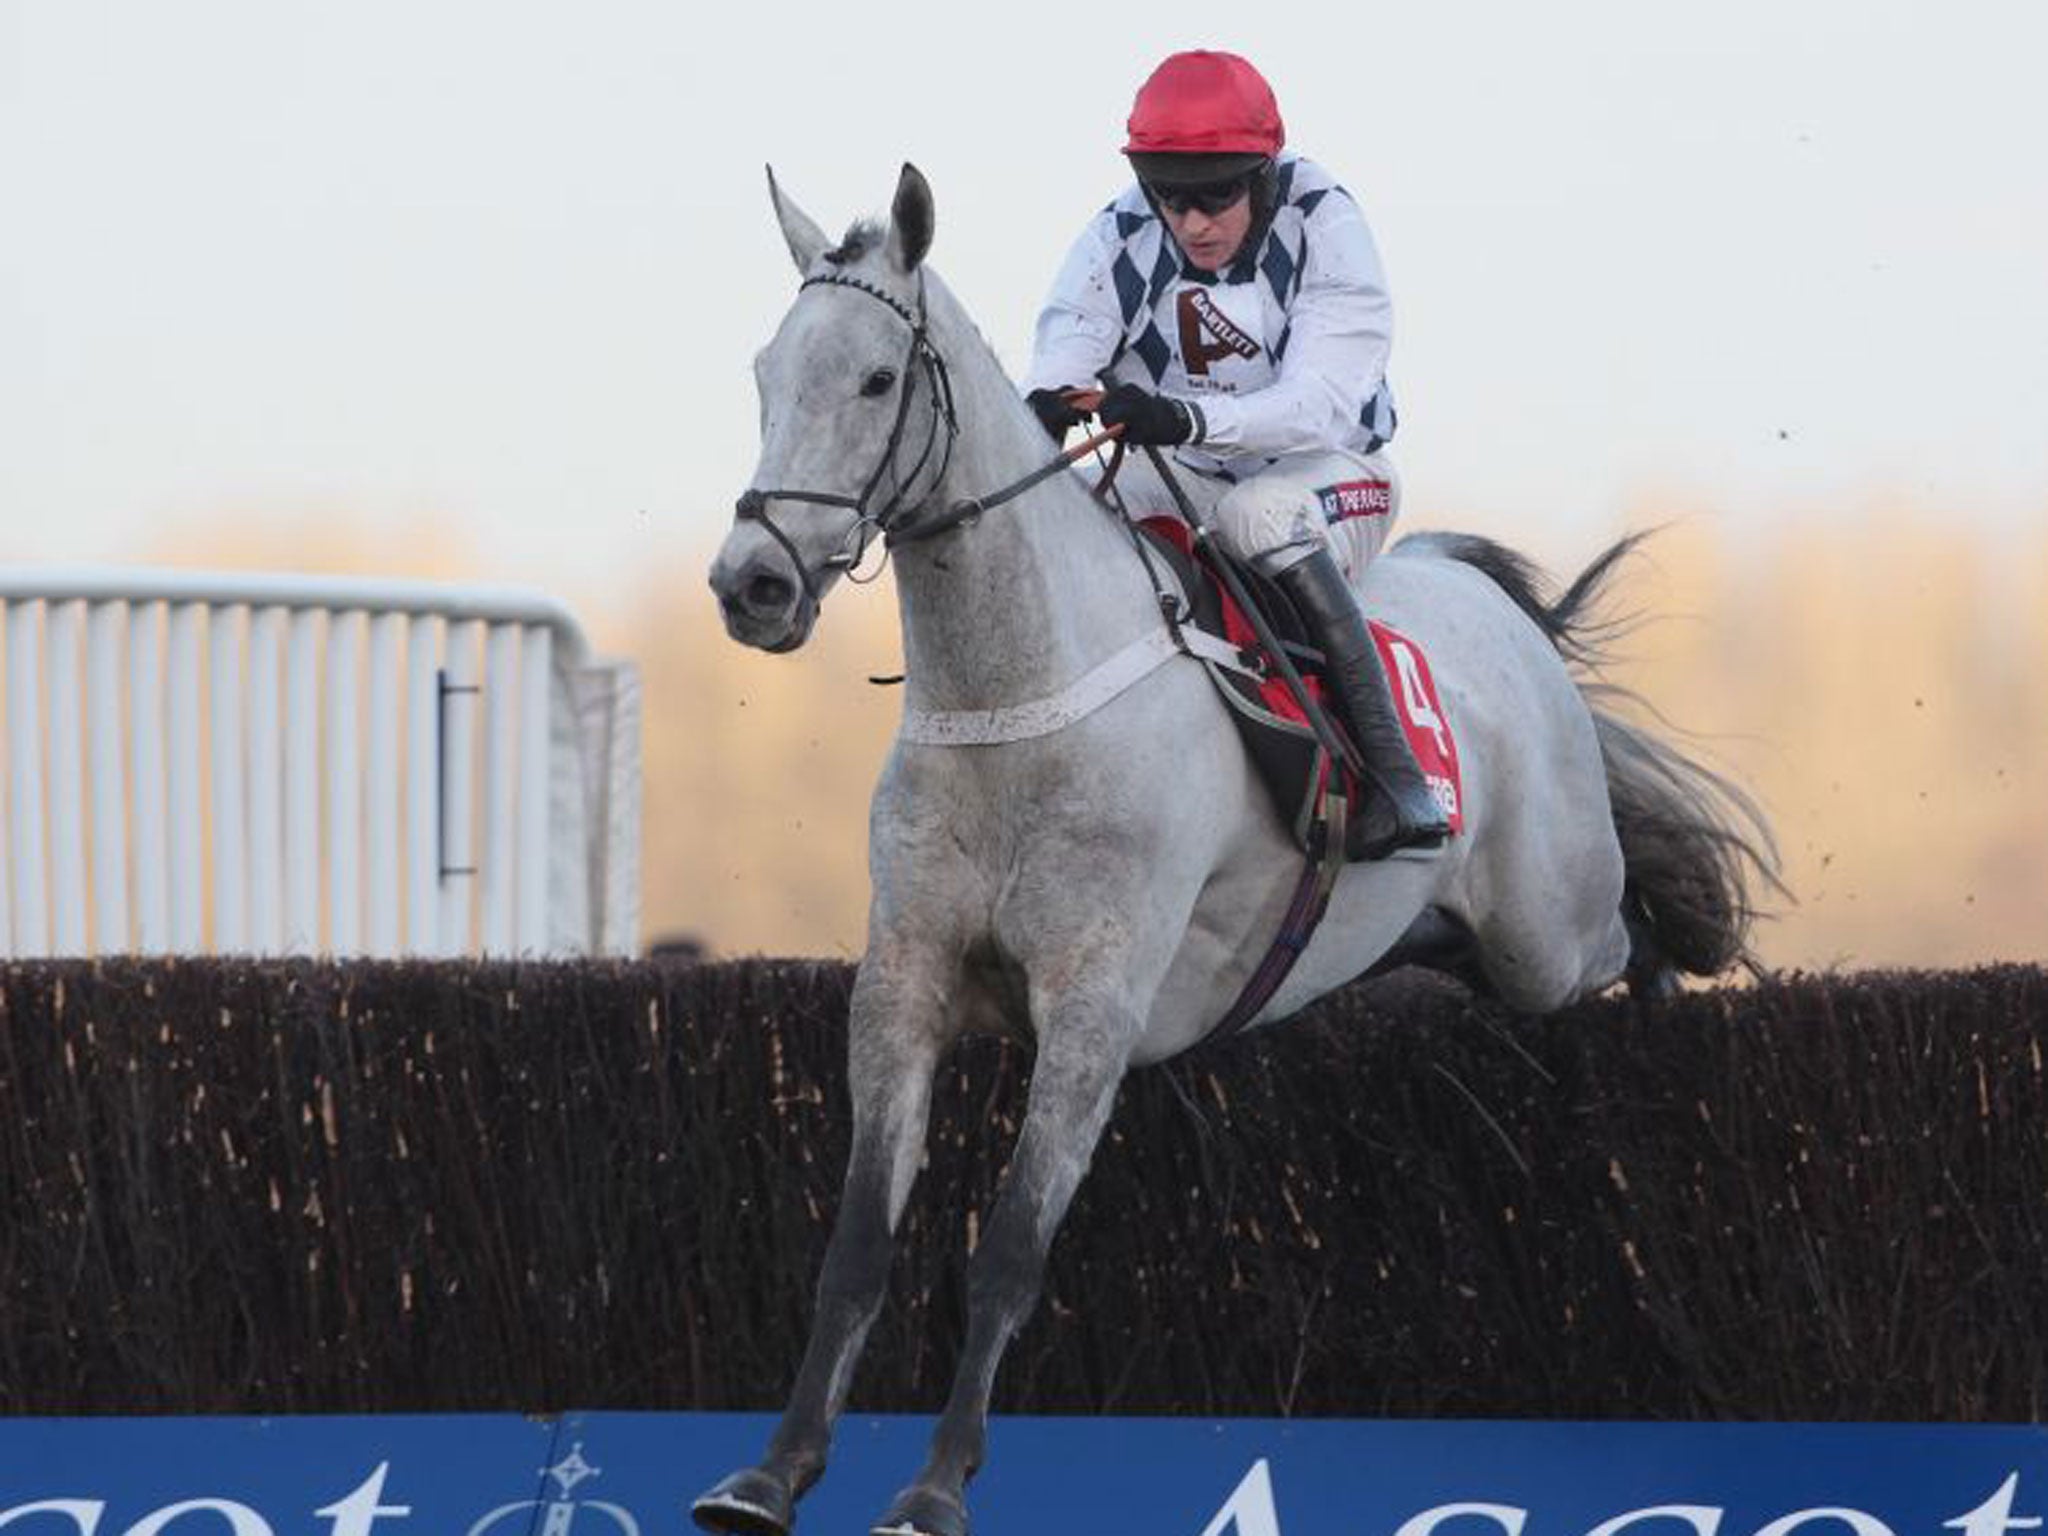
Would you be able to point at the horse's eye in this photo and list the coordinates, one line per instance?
(880, 382)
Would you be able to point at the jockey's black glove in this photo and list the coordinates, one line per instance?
(1054, 411)
(1158, 420)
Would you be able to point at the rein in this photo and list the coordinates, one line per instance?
(968, 510)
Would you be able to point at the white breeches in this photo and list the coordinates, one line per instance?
(1345, 502)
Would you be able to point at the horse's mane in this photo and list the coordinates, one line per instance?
(865, 237)
(861, 237)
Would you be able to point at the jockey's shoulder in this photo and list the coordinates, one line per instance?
(1127, 206)
(1304, 183)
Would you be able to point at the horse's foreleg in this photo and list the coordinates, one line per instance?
(892, 1056)
(1081, 1058)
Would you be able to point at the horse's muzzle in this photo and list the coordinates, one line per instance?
(762, 605)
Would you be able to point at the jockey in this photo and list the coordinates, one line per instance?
(1231, 303)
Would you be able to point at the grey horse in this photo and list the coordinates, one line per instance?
(1103, 878)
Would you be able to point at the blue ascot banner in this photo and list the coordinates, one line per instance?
(633, 1474)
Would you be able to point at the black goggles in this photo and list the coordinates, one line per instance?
(1217, 197)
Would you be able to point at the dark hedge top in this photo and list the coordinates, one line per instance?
(290, 1187)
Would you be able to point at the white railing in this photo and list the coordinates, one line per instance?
(290, 764)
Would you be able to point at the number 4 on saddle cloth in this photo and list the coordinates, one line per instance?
(1275, 731)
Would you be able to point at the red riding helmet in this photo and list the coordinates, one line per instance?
(1203, 117)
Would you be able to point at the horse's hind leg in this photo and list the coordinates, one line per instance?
(1084, 1044)
(1552, 930)
(1539, 967)
(895, 1039)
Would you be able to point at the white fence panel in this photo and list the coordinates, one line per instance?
(267, 628)
(536, 671)
(181, 731)
(25, 780)
(67, 779)
(303, 765)
(109, 802)
(302, 782)
(422, 789)
(343, 755)
(149, 785)
(459, 690)
(381, 841)
(228, 773)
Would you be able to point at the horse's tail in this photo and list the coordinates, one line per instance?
(1693, 844)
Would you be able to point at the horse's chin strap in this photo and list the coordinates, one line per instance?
(902, 505)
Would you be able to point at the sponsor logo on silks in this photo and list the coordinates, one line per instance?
(1207, 335)
(1422, 716)
(1250, 1511)
(1356, 498)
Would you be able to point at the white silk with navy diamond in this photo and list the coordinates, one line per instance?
(1284, 352)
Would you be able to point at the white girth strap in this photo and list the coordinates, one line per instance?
(1079, 699)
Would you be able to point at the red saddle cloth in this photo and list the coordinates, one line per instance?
(1422, 716)
(1408, 676)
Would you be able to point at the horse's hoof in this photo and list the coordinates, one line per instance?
(749, 1503)
(923, 1512)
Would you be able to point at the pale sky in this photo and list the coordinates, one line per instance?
(505, 264)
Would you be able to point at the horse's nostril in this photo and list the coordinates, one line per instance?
(767, 592)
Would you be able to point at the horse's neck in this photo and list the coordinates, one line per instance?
(1017, 605)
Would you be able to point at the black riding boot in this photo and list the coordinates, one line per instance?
(1400, 810)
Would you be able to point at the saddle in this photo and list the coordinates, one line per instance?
(1290, 760)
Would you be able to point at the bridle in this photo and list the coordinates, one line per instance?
(891, 520)
(898, 522)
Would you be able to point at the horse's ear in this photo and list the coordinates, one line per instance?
(910, 220)
(806, 241)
